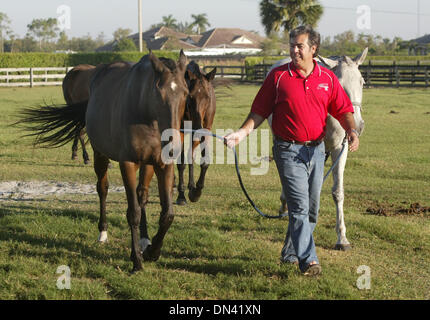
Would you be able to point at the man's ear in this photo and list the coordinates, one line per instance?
(314, 50)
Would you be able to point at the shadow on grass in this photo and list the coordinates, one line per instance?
(241, 266)
(40, 245)
(49, 164)
(93, 216)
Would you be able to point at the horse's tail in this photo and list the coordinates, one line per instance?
(54, 126)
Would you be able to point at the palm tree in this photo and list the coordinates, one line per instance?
(289, 14)
(201, 21)
(170, 22)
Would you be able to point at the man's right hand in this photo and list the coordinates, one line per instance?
(232, 139)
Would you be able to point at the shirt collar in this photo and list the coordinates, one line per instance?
(316, 72)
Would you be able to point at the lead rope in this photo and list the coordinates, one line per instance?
(337, 159)
(240, 178)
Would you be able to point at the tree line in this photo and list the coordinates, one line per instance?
(277, 16)
(346, 43)
(44, 35)
(280, 16)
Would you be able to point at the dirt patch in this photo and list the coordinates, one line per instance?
(392, 210)
(26, 190)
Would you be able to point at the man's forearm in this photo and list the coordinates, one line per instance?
(347, 122)
(252, 122)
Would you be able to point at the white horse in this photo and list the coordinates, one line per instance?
(346, 69)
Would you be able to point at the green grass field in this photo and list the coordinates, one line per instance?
(220, 248)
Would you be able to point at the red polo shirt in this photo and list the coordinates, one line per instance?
(300, 105)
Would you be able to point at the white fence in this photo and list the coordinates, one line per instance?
(30, 77)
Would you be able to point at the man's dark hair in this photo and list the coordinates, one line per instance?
(314, 38)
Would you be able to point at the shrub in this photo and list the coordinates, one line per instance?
(31, 59)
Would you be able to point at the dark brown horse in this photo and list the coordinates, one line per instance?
(200, 111)
(130, 109)
(76, 88)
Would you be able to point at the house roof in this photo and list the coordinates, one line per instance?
(162, 38)
(422, 40)
(219, 37)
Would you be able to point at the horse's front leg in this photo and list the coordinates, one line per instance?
(196, 191)
(181, 200)
(101, 164)
(338, 197)
(191, 184)
(145, 176)
(128, 172)
(165, 182)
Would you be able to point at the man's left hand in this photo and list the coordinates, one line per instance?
(353, 142)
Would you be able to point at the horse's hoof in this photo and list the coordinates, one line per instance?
(86, 161)
(342, 247)
(103, 237)
(194, 194)
(136, 268)
(150, 254)
(134, 271)
(283, 210)
(181, 201)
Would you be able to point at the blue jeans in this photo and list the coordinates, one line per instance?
(301, 170)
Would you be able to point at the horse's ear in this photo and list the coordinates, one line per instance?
(348, 60)
(182, 60)
(211, 75)
(359, 59)
(328, 62)
(158, 66)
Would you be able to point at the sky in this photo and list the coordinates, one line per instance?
(387, 18)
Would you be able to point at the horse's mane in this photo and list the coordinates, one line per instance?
(194, 68)
(169, 63)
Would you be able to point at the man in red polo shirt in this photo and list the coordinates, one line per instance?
(300, 94)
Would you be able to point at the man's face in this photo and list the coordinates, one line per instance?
(300, 51)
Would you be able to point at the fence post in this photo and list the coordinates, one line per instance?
(31, 77)
(392, 72)
(369, 73)
(396, 71)
(427, 76)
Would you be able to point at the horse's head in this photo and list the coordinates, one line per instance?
(346, 69)
(171, 86)
(200, 97)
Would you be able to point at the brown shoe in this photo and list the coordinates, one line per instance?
(313, 270)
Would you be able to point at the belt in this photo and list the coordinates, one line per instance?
(311, 143)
